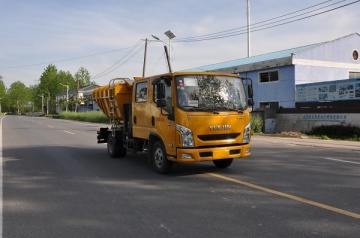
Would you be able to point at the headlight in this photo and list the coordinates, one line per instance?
(247, 132)
(186, 136)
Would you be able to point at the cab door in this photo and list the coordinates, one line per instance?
(164, 121)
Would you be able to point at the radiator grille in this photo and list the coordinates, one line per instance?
(218, 137)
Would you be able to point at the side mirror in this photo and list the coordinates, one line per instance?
(161, 103)
(251, 102)
(160, 91)
(250, 91)
(156, 81)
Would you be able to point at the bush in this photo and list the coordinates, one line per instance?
(256, 124)
(90, 116)
(336, 132)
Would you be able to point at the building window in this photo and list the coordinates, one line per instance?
(141, 92)
(354, 75)
(269, 105)
(355, 55)
(269, 76)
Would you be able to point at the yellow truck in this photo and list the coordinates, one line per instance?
(181, 117)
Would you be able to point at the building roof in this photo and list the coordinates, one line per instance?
(85, 90)
(254, 59)
(273, 59)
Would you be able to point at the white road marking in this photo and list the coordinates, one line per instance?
(1, 179)
(344, 161)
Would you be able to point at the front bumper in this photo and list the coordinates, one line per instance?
(185, 155)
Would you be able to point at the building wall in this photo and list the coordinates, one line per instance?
(330, 61)
(306, 121)
(282, 91)
(314, 74)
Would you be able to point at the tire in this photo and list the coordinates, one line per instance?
(112, 147)
(223, 163)
(158, 159)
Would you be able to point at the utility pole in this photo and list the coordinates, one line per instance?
(47, 104)
(248, 26)
(77, 104)
(67, 95)
(0, 105)
(42, 103)
(145, 52)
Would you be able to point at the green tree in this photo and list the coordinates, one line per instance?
(82, 77)
(18, 96)
(66, 81)
(3, 96)
(35, 98)
(48, 87)
(65, 78)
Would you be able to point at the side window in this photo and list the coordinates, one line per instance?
(141, 92)
(270, 76)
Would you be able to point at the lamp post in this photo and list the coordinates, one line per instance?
(170, 35)
(67, 95)
(42, 103)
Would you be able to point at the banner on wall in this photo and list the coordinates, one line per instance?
(338, 90)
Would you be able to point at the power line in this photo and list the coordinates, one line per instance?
(211, 36)
(251, 25)
(123, 60)
(62, 60)
(236, 31)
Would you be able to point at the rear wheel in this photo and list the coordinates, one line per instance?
(112, 147)
(223, 163)
(158, 159)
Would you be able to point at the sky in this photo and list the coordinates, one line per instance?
(107, 37)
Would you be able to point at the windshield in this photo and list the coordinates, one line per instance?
(210, 93)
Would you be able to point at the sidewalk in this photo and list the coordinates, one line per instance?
(347, 145)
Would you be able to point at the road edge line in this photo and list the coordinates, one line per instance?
(1, 178)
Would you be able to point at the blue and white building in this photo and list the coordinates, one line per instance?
(275, 75)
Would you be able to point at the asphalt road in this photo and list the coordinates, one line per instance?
(58, 182)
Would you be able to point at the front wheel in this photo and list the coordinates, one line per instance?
(223, 163)
(158, 159)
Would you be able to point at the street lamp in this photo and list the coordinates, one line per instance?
(170, 35)
(67, 95)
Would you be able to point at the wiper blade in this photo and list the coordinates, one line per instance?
(229, 109)
(193, 108)
(236, 110)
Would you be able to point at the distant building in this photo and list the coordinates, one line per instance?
(275, 75)
(86, 102)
